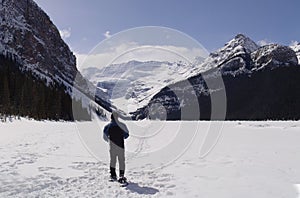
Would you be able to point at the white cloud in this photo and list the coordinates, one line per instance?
(65, 33)
(133, 51)
(107, 34)
(102, 59)
(264, 42)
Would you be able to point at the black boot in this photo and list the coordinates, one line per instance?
(122, 173)
(122, 179)
(113, 175)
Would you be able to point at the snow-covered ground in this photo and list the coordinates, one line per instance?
(251, 159)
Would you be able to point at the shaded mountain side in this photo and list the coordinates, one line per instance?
(266, 94)
(23, 94)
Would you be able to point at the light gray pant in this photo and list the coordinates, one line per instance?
(117, 152)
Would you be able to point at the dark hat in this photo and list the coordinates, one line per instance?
(114, 115)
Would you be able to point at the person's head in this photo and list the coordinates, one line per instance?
(114, 116)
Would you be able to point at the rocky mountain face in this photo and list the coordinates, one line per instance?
(28, 34)
(259, 83)
(31, 43)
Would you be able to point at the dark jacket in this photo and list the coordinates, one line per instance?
(116, 132)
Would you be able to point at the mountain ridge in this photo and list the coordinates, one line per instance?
(240, 66)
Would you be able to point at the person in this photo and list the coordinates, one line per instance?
(115, 132)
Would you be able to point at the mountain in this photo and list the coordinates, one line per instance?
(259, 82)
(131, 85)
(32, 51)
(28, 34)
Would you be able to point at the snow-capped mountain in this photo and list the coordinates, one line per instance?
(32, 43)
(131, 85)
(235, 50)
(260, 83)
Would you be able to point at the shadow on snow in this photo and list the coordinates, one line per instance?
(134, 187)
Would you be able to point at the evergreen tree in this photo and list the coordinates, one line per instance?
(23, 94)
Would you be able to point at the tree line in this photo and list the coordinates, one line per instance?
(24, 95)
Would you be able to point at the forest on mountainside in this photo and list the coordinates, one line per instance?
(22, 94)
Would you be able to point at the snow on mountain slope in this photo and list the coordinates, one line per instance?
(240, 65)
(296, 47)
(252, 159)
(242, 55)
(239, 46)
(273, 55)
(131, 85)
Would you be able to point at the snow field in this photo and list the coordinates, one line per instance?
(251, 159)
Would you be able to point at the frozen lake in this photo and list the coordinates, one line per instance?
(250, 159)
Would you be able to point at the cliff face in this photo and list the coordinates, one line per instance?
(28, 34)
(32, 50)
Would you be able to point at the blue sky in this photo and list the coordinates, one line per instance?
(212, 23)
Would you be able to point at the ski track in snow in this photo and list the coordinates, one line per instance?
(252, 159)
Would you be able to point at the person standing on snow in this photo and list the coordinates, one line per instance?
(115, 132)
